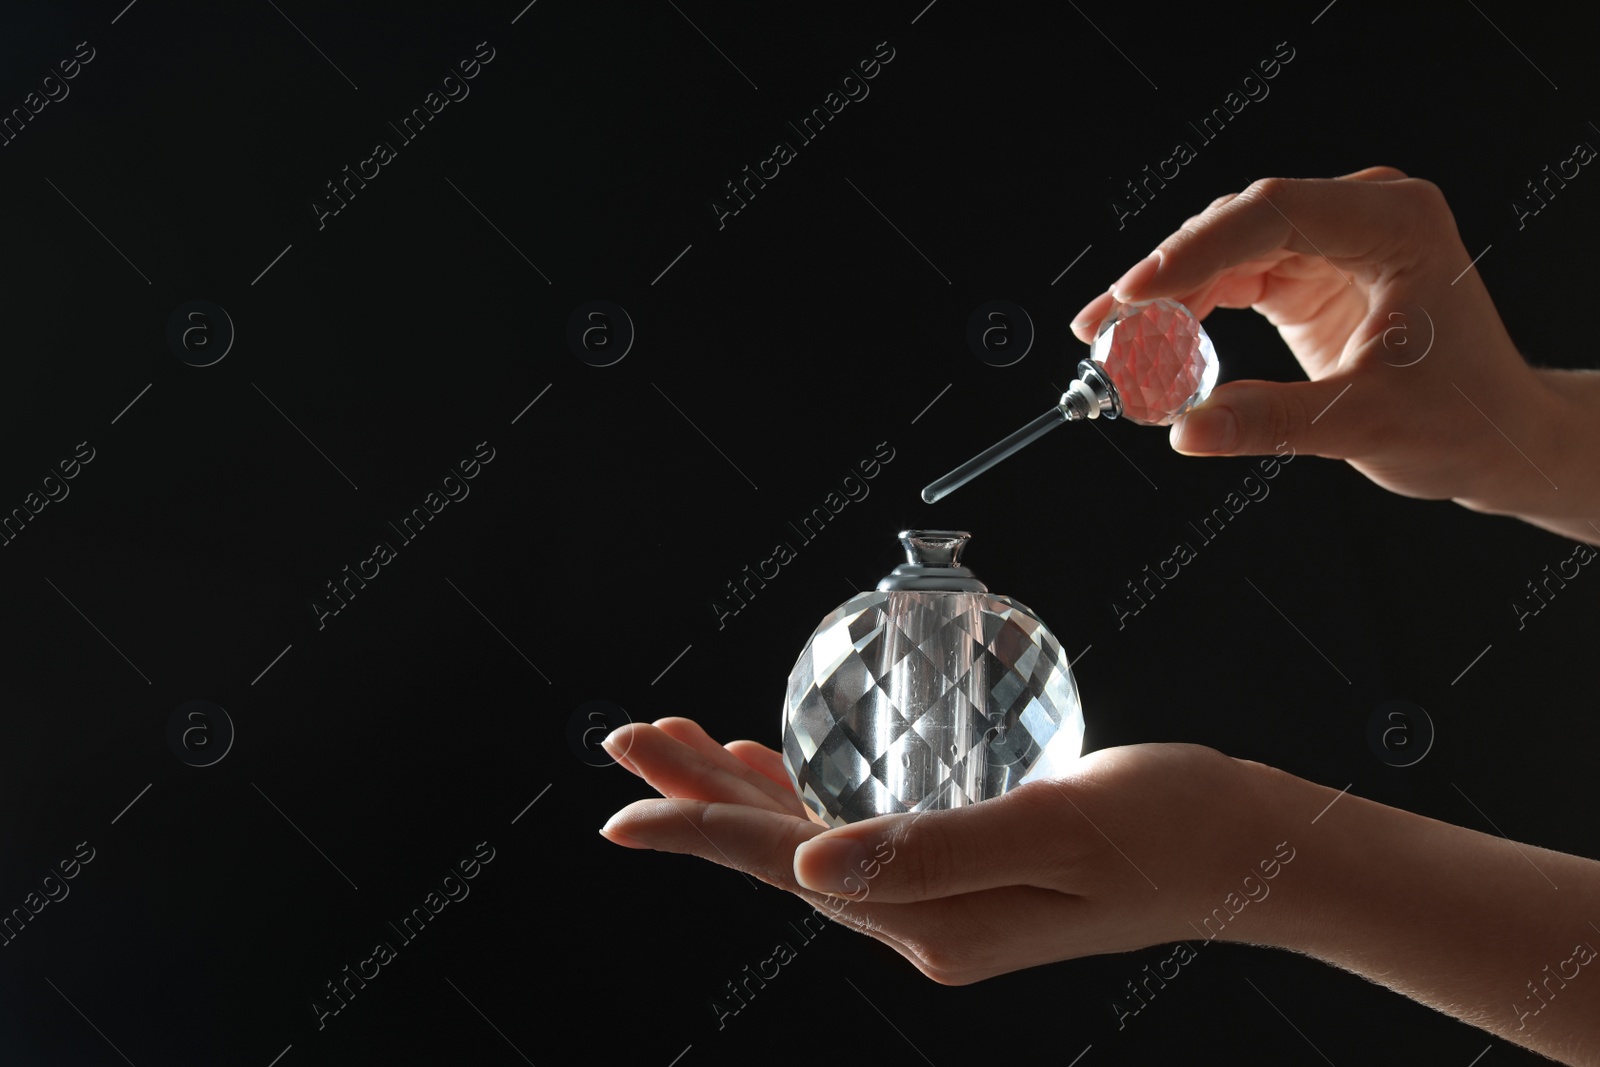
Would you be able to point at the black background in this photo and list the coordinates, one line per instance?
(419, 720)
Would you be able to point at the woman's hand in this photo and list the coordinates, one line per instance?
(1414, 379)
(1135, 848)
(1151, 844)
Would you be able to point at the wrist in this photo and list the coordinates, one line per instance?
(1336, 900)
(1459, 920)
(1536, 467)
(1279, 906)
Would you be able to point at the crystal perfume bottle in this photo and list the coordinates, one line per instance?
(1149, 362)
(927, 692)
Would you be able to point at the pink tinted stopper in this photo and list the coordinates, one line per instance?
(1158, 358)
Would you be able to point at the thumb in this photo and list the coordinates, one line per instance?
(1252, 418)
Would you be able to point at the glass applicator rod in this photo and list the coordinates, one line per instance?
(1159, 348)
(1090, 396)
(996, 452)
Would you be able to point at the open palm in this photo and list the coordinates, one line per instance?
(1093, 862)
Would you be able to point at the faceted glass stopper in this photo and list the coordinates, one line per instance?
(916, 700)
(1158, 358)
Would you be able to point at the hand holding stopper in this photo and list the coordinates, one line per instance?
(1150, 362)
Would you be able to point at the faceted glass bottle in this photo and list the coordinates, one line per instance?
(928, 692)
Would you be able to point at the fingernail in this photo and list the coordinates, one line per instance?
(1126, 288)
(618, 753)
(617, 837)
(829, 864)
(621, 839)
(1205, 429)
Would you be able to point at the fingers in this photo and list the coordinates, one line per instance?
(1345, 222)
(755, 840)
(764, 760)
(692, 734)
(1365, 217)
(750, 840)
(1252, 418)
(675, 769)
(1239, 288)
(1374, 174)
(1087, 321)
(953, 940)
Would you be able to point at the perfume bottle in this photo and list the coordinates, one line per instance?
(1149, 362)
(927, 692)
